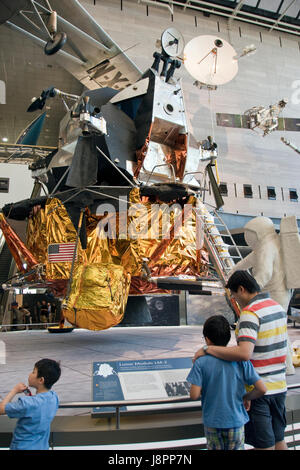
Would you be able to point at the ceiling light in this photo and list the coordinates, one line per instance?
(4, 139)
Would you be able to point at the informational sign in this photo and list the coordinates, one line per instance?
(140, 380)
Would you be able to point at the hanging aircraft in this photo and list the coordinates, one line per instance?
(80, 45)
(124, 210)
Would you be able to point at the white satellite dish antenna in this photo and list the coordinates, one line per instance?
(210, 60)
(172, 42)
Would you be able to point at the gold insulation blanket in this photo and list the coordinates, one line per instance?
(98, 297)
(102, 273)
(37, 234)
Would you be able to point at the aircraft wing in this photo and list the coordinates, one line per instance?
(89, 54)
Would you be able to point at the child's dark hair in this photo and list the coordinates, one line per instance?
(217, 330)
(50, 370)
(242, 278)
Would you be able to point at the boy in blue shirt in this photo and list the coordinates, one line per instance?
(221, 385)
(34, 413)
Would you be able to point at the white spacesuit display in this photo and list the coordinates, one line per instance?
(274, 261)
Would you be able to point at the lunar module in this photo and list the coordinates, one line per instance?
(124, 212)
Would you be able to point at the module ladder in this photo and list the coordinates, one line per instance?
(215, 229)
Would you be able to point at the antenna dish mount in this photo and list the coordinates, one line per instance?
(172, 42)
(210, 60)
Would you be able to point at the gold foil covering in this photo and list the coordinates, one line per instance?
(162, 233)
(178, 154)
(141, 153)
(170, 242)
(60, 229)
(98, 297)
(37, 235)
(139, 286)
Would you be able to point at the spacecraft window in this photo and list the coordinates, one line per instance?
(223, 189)
(293, 195)
(271, 192)
(4, 185)
(248, 190)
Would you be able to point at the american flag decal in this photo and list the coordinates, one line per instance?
(61, 252)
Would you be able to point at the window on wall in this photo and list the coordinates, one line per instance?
(4, 185)
(223, 189)
(248, 191)
(293, 195)
(271, 192)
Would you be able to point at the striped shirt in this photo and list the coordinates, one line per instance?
(264, 323)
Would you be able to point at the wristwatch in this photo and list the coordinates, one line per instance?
(205, 348)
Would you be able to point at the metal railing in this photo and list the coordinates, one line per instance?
(127, 403)
(27, 325)
(291, 435)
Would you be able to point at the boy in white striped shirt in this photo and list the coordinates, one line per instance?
(262, 338)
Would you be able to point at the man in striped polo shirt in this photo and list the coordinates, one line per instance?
(262, 338)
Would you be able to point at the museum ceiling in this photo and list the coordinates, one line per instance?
(281, 15)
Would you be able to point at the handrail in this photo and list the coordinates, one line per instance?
(170, 165)
(93, 404)
(12, 325)
(119, 404)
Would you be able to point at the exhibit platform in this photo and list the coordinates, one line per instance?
(78, 350)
